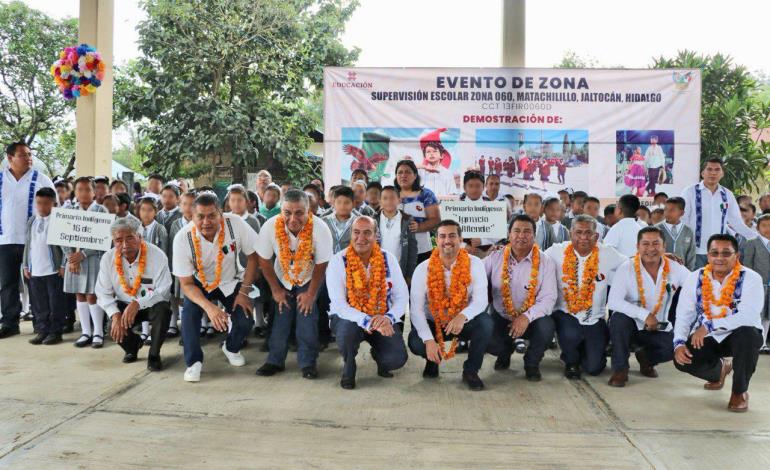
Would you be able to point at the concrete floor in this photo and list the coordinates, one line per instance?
(66, 408)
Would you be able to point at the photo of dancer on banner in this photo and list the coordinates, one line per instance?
(645, 160)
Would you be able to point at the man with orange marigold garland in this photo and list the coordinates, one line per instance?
(584, 270)
(206, 262)
(523, 284)
(719, 316)
(301, 244)
(134, 285)
(449, 301)
(642, 293)
(368, 297)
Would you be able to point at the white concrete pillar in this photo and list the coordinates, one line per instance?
(93, 146)
(514, 33)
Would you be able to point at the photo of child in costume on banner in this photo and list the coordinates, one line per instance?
(645, 160)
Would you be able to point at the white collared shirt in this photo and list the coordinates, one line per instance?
(267, 248)
(336, 282)
(477, 295)
(40, 261)
(711, 207)
(244, 242)
(622, 236)
(624, 295)
(15, 204)
(442, 182)
(609, 260)
(747, 311)
(390, 234)
(155, 285)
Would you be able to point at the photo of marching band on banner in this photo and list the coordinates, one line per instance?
(540, 160)
(645, 160)
(377, 150)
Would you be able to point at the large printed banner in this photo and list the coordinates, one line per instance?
(606, 132)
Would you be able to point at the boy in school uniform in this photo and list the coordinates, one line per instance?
(186, 202)
(169, 198)
(42, 267)
(679, 238)
(394, 234)
(154, 233)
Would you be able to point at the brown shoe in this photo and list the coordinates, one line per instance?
(619, 378)
(727, 367)
(739, 402)
(646, 368)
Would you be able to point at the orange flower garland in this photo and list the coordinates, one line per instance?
(725, 297)
(367, 293)
(640, 283)
(199, 257)
(531, 287)
(131, 291)
(294, 264)
(445, 306)
(579, 296)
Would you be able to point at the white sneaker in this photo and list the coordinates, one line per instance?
(236, 359)
(193, 373)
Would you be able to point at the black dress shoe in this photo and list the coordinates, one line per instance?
(172, 332)
(462, 347)
(309, 372)
(473, 381)
(269, 369)
(502, 363)
(7, 331)
(128, 358)
(348, 383)
(38, 339)
(154, 364)
(532, 374)
(385, 373)
(572, 371)
(28, 316)
(52, 339)
(83, 341)
(431, 370)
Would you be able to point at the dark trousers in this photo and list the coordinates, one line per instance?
(742, 344)
(652, 178)
(46, 297)
(582, 344)
(11, 257)
(658, 346)
(323, 303)
(390, 351)
(191, 322)
(539, 333)
(477, 331)
(159, 316)
(306, 327)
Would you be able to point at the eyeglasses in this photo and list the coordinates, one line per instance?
(721, 254)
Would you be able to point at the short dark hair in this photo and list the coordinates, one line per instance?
(643, 208)
(716, 160)
(11, 148)
(609, 210)
(649, 229)
(112, 197)
(532, 195)
(751, 207)
(471, 175)
(522, 218)
(116, 182)
(252, 196)
(657, 195)
(147, 200)
(551, 200)
(450, 223)
(492, 175)
(629, 204)
(155, 176)
(344, 191)
(579, 194)
(363, 172)
(84, 179)
(722, 237)
(374, 185)
(763, 218)
(46, 192)
(101, 179)
(678, 201)
(190, 193)
(207, 199)
(389, 188)
(172, 187)
(416, 185)
(123, 198)
(314, 188)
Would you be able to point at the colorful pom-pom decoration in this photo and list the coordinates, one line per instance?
(78, 72)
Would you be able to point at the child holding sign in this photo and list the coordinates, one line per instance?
(81, 271)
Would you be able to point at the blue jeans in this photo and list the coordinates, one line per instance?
(539, 333)
(191, 322)
(389, 350)
(306, 332)
(658, 345)
(582, 344)
(478, 331)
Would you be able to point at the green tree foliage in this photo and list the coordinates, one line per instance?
(31, 108)
(231, 80)
(731, 107)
